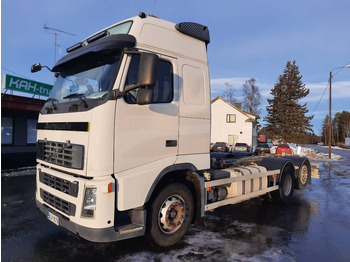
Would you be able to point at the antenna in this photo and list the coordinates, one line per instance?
(56, 32)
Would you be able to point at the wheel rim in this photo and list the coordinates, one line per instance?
(172, 214)
(303, 174)
(287, 185)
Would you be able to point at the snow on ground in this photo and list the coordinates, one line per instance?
(23, 171)
(313, 154)
(206, 245)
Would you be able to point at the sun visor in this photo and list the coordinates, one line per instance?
(109, 43)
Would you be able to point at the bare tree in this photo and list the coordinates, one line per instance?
(252, 97)
(229, 94)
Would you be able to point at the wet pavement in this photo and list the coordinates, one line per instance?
(315, 226)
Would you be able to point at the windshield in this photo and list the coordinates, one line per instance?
(83, 87)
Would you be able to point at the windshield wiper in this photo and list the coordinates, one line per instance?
(53, 106)
(80, 96)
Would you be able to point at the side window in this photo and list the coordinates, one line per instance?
(231, 118)
(163, 91)
(6, 130)
(31, 131)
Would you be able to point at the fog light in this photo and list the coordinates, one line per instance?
(89, 205)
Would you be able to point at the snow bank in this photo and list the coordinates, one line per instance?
(313, 154)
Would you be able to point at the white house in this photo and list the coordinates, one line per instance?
(230, 124)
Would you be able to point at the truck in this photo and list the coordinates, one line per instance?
(123, 141)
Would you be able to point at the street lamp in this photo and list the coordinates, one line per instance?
(330, 109)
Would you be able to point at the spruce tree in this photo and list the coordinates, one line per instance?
(286, 118)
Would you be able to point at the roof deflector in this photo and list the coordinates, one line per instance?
(195, 30)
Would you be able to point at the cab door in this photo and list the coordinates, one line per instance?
(145, 134)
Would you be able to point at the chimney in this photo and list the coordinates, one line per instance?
(238, 106)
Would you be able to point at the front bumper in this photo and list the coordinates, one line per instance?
(108, 234)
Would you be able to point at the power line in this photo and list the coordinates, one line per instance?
(13, 72)
(321, 97)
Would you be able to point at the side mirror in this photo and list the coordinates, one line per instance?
(148, 69)
(144, 96)
(146, 79)
(36, 68)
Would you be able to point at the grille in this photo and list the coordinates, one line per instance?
(62, 185)
(58, 203)
(62, 154)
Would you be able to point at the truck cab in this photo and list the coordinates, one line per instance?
(129, 108)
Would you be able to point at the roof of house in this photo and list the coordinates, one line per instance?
(251, 117)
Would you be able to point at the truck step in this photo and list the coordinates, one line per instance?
(125, 229)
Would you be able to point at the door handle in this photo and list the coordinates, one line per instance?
(171, 143)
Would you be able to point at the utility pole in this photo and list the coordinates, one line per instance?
(330, 108)
(56, 32)
(330, 117)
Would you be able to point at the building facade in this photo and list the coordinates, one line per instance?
(230, 124)
(18, 130)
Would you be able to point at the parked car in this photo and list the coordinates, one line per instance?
(241, 147)
(262, 148)
(284, 149)
(221, 147)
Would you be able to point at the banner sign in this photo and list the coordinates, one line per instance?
(25, 85)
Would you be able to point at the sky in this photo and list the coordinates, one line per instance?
(249, 39)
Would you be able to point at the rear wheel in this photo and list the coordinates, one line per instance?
(286, 186)
(303, 177)
(170, 215)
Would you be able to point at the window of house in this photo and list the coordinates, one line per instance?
(162, 91)
(31, 131)
(231, 118)
(6, 130)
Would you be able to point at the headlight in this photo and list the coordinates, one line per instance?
(89, 205)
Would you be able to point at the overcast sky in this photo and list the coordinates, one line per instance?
(249, 39)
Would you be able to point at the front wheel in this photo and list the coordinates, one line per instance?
(170, 214)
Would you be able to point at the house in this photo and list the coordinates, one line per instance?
(230, 124)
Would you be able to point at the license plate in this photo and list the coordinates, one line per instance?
(53, 218)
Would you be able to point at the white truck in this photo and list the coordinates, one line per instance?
(123, 142)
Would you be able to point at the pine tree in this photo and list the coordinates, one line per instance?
(325, 130)
(340, 126)
(286, 118)
(252, 97)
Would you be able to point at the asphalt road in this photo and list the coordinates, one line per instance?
(315, 226)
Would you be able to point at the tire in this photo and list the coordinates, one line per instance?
(170, 215)
(286, 186)
(304, 175)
